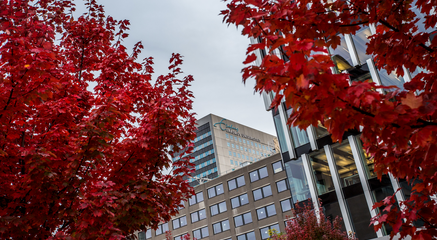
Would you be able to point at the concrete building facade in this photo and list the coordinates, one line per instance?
(240, 205)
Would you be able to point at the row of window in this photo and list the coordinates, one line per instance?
(259, 153)
(198, 138)
(204, 164)
(202, 155)
(240, 220)
(242, 156)
(203, 145)
(204, 174)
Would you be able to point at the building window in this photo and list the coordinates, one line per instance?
(232, 162)
(233, 146)
(239, 155)
(179, 222)
(241, 148)
(262, 192)
(201, 233)
(258, 174)
(244, 141)
(281, 185)
(239, 139)
(236, 146)
(265, 231)
(227, 136)
(145, 235)
(232, 138)
(236, 183)
(228, 144)
(235, 154)
(243, 219)
(239, 201)
(162, 228)
(220, 226)
(218, 208)
(286, 205)
(247, 236)
(180, 237)
(230, 153)
(277, 167)
(215, 191)
(196, 198)
(266, 212)
(197, 216)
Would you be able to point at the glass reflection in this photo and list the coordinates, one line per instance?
(361, 38)
(280, 132)
(346, 168)
(321, 130)
(297, 180)
(341, 56)
(322, 175)
(369, 162)
(300, 137)
(391, 79)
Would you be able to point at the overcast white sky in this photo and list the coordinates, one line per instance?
(213, 53)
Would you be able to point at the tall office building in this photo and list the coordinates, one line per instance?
(340, 175)
(223, 145)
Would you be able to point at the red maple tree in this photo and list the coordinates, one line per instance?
(85, 132)
(309, 224)
(398, 125)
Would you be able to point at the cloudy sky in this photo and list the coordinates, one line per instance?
(213, 53)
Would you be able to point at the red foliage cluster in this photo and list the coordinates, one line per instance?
(310, 224)
(85, 132)
(399, 127)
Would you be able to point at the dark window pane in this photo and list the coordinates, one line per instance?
(194, 217)
(192, 200)
(235, 202)
(216, 228)
(263, 172)
(211, 192)
(196, 234)
(219, 189)
(225, 225)
(240, 181)
(202, 214)
(250, 235)
(214, 210)
(232, 184)
(286, 205)
(271, 210)
(254, 176)
(205, 232)
(199, 197)
(176, 224)
(222, 207)
(183, 221)
(267, 191)
(277, 167)
(242, 237)
(257, 194)
(261, 213)
(247, 218)
(238, 220)
(264, 233)
(281, 186)
(244, 199)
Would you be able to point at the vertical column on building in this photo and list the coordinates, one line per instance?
(359, 162)
(338, 191)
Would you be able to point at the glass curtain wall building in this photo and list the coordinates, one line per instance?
(340, 175)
